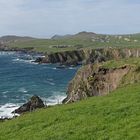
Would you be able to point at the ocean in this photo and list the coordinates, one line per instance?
(20, 79)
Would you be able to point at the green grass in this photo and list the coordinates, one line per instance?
(112, 117)
(44, 45)
(122, 62)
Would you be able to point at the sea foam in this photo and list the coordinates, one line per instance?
(5, 110)
(53, 100)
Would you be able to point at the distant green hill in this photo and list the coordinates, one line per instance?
(77, 41)
(13, 38)
(112, 117)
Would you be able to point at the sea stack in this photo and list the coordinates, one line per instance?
(34, 103)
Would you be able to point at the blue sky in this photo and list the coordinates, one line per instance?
(44, 18)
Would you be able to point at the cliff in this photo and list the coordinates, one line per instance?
(101, 79)
(65, 57)
(87, 56)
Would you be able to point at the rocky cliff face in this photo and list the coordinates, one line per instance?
(99, 55)
(87, 56)
(96, 80)
(64, 57)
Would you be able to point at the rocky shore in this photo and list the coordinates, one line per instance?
(92, 79)
(79, 56)
(88, 56)
(34, 103)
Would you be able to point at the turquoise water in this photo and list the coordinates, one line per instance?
(20, 79)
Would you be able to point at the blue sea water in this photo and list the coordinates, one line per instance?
(20, 79)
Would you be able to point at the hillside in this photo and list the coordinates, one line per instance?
(80, 40)
(14, 39)
(115, 116)
(102, 78)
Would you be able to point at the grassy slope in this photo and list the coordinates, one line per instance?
(113, 117)
(84, 41)
(122, 62)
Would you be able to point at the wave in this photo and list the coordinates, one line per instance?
(16, 60)
(72, 68)
(5, 110)
(6, 53)
(53, 100)
(63, 68)
(50, 83)
(4, 92)
(23, 90)
(50, 79)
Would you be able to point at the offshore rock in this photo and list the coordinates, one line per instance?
(34, 103)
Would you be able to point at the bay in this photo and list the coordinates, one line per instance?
(20, 79)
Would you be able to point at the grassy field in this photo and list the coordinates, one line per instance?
(112, 117)
(80, 40)
(122, 62)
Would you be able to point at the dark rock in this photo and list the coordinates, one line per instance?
(38, 60)
(88, 56)
(71, 63)
(35, 102)
(96, 59)
(65, 58)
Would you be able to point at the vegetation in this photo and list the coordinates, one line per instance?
(112, 117)
(115, 116)
(77, 41)
(122, 62)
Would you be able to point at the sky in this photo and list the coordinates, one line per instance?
(45, 18)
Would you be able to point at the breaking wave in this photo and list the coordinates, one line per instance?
(5, 110)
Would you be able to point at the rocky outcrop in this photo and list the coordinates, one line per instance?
(99, 55)
(96, 80)
(87, 56)
(66, 57)
(34, 103)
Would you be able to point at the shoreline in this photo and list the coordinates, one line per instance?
(50, 101)
(116, 53)
(78, 57)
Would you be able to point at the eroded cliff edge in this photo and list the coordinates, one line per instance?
(87, 56)
(102, 78)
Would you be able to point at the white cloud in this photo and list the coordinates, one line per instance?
(47, 17)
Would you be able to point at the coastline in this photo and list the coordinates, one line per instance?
(78, 56)
(7, 108)
(91, 55)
